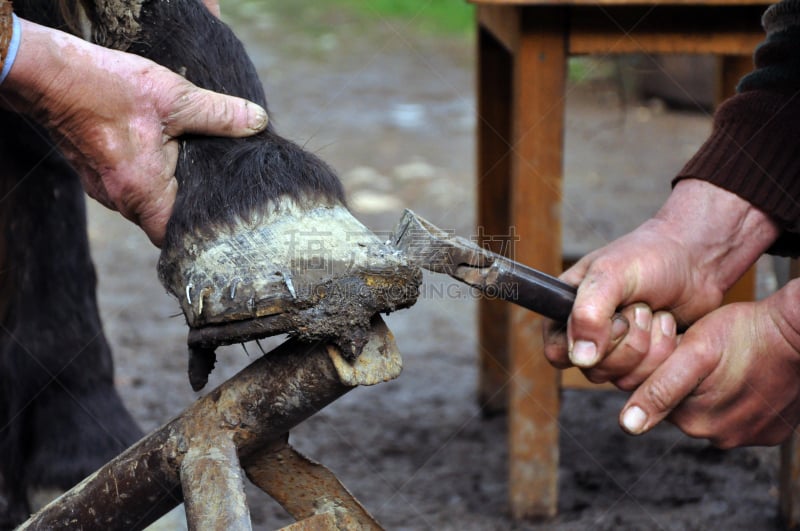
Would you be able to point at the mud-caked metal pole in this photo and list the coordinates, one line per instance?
(253, 410)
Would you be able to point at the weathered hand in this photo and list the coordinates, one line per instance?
(116, 117)
(680, 262)
(640, 341)
(734, 378)
(650, 266)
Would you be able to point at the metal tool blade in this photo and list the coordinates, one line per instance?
(440, 251)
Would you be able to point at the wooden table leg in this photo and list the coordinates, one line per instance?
(731, 69)
(789, 478)
(539, 73)
(493, 180)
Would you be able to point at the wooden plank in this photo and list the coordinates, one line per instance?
(538, 129)
(734, 30)
(502, 22)
(665, 42)
(494, 182)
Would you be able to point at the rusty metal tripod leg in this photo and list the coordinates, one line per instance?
(242, 418)
(307, 490)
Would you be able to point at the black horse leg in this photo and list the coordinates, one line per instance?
(60, 416)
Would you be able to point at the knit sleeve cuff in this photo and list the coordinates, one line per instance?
(754, 152)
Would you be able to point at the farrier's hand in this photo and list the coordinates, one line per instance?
(116, 117)
(680, 262)
(734, 378)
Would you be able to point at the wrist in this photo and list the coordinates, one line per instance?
(723, 233)
(13, 47)
(40, 67)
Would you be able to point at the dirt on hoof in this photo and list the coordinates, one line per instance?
(315, 273)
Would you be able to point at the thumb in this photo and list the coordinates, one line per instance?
(590, 324)
(667, 387)
(204, 112)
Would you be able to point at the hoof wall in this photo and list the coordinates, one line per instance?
(318, 274)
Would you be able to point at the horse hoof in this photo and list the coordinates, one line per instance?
(315, 273)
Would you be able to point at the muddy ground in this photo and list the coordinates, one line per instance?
(392, 108)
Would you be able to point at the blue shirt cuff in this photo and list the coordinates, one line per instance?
(13, 47)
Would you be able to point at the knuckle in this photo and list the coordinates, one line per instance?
(693, 428)
(183, 102)
(703, 426)
(585, 314)
(710, 358)
(604, 268)
(659, 395)
(633, 347)
(601, 263)
(181, 98)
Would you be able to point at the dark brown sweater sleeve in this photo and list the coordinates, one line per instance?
(754, 147)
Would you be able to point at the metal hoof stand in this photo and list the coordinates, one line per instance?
(242, 426)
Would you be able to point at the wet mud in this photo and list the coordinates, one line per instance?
(392, 109)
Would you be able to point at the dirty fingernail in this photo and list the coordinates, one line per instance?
(584, 354)
(643, 317)
(668, 325)
(256, 117)
(619, 327)
(634, 419)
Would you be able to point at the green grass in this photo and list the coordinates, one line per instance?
(447, 16)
